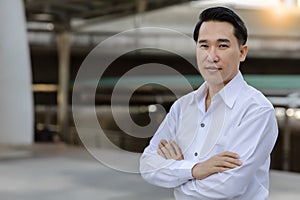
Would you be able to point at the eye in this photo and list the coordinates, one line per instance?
(203, 46)
(223, 46)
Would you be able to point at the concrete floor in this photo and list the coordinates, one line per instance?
(60, 172)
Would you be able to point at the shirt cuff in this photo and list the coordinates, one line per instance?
(184, 168)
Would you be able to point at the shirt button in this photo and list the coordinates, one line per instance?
(202, 125)
(195, 154)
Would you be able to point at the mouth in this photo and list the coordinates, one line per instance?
(213, 68)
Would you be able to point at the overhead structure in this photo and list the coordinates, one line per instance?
(59, 17)
(61, 12)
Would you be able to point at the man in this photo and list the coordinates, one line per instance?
(215, 142)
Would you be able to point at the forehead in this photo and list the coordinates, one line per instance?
(216, 30)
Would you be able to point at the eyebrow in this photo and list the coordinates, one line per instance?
(219, 40)
(224, 40)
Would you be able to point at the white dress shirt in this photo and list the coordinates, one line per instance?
(240, 119)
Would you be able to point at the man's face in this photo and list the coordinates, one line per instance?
(218, 52)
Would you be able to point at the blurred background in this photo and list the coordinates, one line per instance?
(43, 45)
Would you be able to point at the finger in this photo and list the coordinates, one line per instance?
(216, 169)
(163, 142)
(160, 145)
(166, 153)
(165, 148)
(159, 151)
(229, 154)
(171, 151)
(228, 164)
(233, 161)
(176, 148)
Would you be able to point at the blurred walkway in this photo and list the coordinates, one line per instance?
(59, 172)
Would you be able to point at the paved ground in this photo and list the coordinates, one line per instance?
(60, 172)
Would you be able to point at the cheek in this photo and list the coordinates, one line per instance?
(233, 59)
(200, 57)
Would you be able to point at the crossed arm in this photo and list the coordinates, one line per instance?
(218, 163)
(164, 165)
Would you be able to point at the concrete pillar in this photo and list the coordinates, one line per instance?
(16, 102)
(63, 45)
(286, 147)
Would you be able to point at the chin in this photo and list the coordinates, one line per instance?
(215, 82)
(213, 78)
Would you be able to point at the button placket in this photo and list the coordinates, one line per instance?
(202, 126)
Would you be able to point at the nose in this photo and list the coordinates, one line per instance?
(212, 56)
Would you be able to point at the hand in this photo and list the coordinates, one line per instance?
(169, 150)
(218, 163)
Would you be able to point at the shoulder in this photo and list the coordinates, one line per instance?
(252, 104)
(254, 98)
(183, 101)
(254, 108)
(186, 99)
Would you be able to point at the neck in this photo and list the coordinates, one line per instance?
(214, 89)
(207, 101)
(210, 94)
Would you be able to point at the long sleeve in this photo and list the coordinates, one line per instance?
(157, 170)
(253, 139)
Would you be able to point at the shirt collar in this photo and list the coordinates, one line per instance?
(229, 93)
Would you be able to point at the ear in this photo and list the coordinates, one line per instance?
(243, 52)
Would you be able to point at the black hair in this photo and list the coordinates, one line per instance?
(223, 14)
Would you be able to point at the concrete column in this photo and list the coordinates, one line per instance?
(16, 102)
(141, 6)
(63, 45)
(286, 143)
(292, 103)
